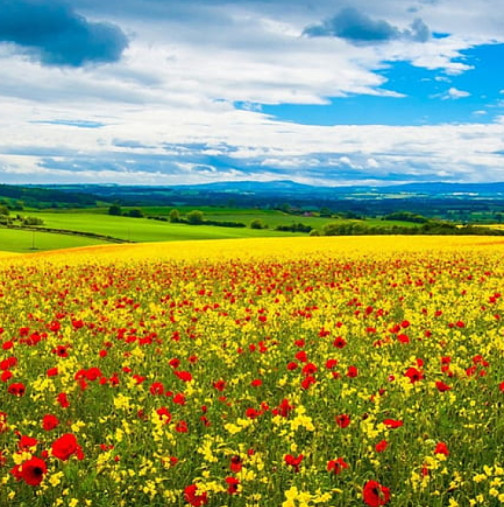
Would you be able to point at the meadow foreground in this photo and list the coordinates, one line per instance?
(261, 372)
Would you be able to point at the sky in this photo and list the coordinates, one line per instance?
(322, 92)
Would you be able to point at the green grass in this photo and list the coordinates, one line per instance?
(272, 218)
(143, 229)
(97, 221)
(23, 241)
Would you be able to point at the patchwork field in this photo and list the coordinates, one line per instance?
(254, 372)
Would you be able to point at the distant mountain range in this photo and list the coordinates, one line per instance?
(287, 186)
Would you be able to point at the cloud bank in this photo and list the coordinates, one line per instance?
(358, 28)
(55, 34)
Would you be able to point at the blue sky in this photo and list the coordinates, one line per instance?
(329, 92)
(426, 99)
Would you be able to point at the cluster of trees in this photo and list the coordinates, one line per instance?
(115, 210)
(196, 217)
(429, 228)
(30, 220)
(44, 197)
(258, 224)
(7, 219)
(295, 228)
(406, 216)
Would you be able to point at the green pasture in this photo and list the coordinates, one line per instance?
(144, 230)
(98, 221)
(29, 241)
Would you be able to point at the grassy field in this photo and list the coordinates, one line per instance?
(28, 241)
(143, 229)
(140, 230)
(272, 218)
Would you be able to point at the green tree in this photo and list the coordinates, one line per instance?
(174, 216)
(257, 224)
(195, 217)
(115, 210)
(136, 213)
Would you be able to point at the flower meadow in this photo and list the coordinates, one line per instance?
(328, 371)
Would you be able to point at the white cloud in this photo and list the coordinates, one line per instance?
(170, 144)
(453, 94)
(189, 61)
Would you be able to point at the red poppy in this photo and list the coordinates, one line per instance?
(181, 427)
(164, 414)
(252, 413)
(403, 338)
(336, 465)
(63, 400)
(179, 399)
(331, 363)
(49, 422)
(381, 446)
(191, 496)
(309, 369)
(65, 446)
(220, 385)
(283, 409)
(414, 375)
(236, 464)
(174, 363)
(301, 356)
(184, 375)
(342, 420)
(393, 423)
(441, 448)
(352, 372)
(232, 485)
(26, 441)
(156, 388)
(17, 389)
(61, 351)
(8, 363)
(442, 387)
(374, 494)
(308, 381)
(339, 342)
(31, 471)
(293, 461)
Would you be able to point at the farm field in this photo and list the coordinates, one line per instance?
(143, 229)
(270, 217)
(137, 230)
(346, 371)
(27, 241)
